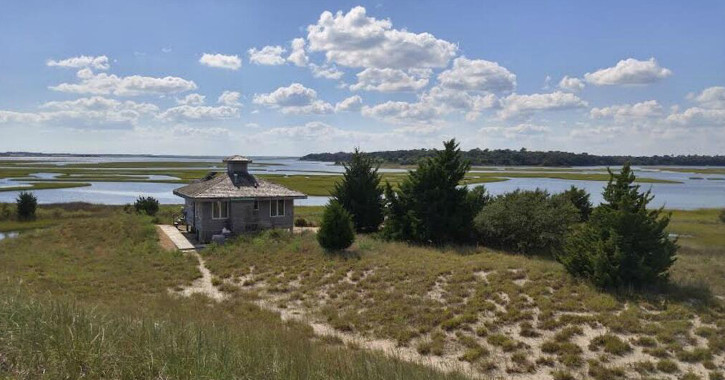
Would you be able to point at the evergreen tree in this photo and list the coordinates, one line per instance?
(336, 230)
(580, 199)
(623, 243)
(360, 192)
(429, 206)
(26, 204)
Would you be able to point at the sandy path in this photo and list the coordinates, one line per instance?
(203, 285)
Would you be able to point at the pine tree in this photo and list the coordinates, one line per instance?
(336, 230)
(26, 204)
(429, 206)
(623, 243)
(360, 192)
(580, 199)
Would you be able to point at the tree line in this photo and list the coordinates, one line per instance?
(523, 157)
(620, 243)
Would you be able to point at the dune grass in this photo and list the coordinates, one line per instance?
(89, 298)
(501, 313)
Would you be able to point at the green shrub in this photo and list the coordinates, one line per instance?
(302, 222)
(336, 230)
(360, 192)
(526, 221)
(623, 243)
(430, 206)
(26, 205)
(5, 212)
(146, 205)
(580, 199)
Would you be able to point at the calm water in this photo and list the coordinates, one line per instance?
(8, 235)
(691, 194)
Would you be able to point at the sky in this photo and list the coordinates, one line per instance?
(296, 77)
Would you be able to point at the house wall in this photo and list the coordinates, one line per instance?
(242, 218)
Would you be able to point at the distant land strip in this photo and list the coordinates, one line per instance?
(523, 157)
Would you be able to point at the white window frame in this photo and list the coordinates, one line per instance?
(274, 207)
(218, 206)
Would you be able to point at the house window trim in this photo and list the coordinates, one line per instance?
(284, 208)
(221, 217)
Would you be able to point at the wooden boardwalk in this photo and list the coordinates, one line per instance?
(181, 242)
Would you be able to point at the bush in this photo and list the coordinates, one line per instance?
(429, 206)
(5, 212)
(526, 221)
(360, 192)
(302, 222)
(336, 230)
(26, 205)
(580, 199)
(623, 243)
(146, 205)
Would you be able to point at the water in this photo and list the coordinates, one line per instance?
(691, 194)
(8, 235)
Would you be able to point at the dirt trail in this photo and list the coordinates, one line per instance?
(203, 285)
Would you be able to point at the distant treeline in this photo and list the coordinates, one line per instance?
(523, 157)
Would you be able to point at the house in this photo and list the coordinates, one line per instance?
(237, 201)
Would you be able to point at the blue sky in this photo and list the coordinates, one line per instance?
(293, 77)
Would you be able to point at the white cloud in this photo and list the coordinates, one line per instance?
(643, 110)
(327, 72)
(98, 63)
(230, 62)
(268, 55)
(517, 131)
(391, 80)
(294, 98)
(187, 131)
(192, 100)
(629, 72)
(199, 113)
(477, 75)
(713, 97)
(402, 112)
(448, 100)
(298, 55)
(90, 112)
(110, 84)
(517, 105)
(353, 103)
(699, 117)
(568, 83)
(229, 98)
(355, 40)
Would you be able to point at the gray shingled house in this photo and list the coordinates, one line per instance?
(237, 201)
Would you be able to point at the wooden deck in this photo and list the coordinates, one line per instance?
(181, 242)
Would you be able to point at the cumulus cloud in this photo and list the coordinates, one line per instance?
(517, 105)
(568, 83)
(643, 110)
(391, 80)
(629, 72)
(192, 100)
(477, 75)
(516, 131)
(199, 113)
(229, 62)
(134, 85)
(229, 98)
(84, 61)
(713, 97)
(353, 103)
(268, 55)
(402, 112)
(298, 56)
(327, 72)
(355, 40)
(698, 117)
(90, 112)
(446, 101)
(294, 98)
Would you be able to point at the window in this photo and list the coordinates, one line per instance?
(220, 210)
(276, 207)
(256, 206)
